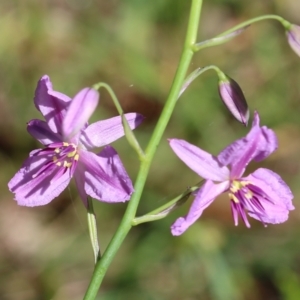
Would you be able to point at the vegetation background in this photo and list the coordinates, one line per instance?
(134, 46)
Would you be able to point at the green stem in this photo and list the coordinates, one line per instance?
(164, 210)
(215, 41)
(191, 77)
(125, 225)
(128, 132)
(92, 225)
(113, 96)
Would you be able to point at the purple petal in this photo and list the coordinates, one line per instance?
(81, 108)
(50, 103)
(205, 196)
(105, 176)
(31, 190)
(240, 153)
(42, 132)
(278, 203)
(80, 182)
(201, 162)
(293, 36)
(267, 144)
(259, 143)
(105, 132)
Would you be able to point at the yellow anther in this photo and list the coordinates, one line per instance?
(242, 187)
(235, 186)
(71, 154)
(238, 185)
(249, 195)
(233, 198)
(244, 183)
(67, 164)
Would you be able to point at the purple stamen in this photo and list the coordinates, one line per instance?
(243, 215)
(47, 167)
(234, 212)
(257, 204)
(59, 173)
(56, 145)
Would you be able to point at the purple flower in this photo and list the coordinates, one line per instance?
(263, 194)
(293, 36)
(67, 140)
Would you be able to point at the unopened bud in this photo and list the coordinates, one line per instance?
(293, 37)
(233, 97)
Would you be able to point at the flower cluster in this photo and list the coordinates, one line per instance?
(68, 140)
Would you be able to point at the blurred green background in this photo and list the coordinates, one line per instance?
(134, 46)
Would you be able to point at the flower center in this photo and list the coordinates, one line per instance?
(59, 158)
(65, 154)
(245, 196)
(238, 189)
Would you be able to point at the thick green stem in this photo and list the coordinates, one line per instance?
(125, 225)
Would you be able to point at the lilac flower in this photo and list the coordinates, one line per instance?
(67, 140)
(263, 194)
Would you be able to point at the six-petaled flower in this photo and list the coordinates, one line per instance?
(67, 140)
(262, 194)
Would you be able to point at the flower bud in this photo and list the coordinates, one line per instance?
(233, 97)
(293, 36)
